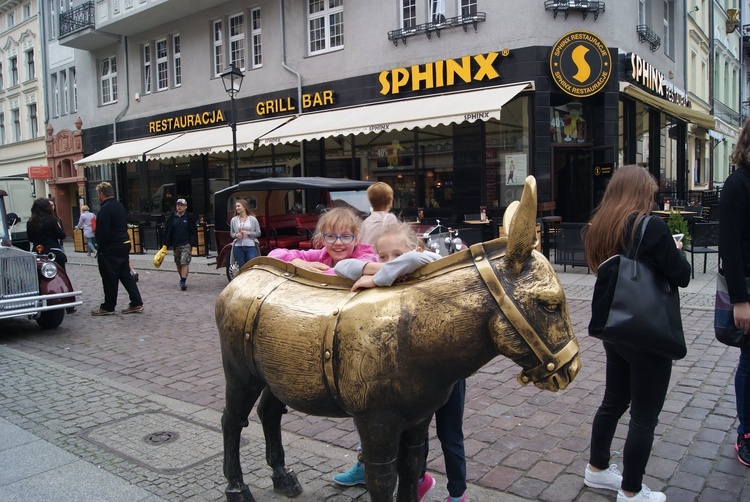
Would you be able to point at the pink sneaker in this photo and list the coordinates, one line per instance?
(425, 486)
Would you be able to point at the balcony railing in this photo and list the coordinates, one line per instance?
(78, 18)
(566, 6)
(436, 26)
(646, 34)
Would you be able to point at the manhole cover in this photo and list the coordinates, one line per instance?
(161, 437)
(159, 441)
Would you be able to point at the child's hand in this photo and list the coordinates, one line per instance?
(312, 266)
(366, 281)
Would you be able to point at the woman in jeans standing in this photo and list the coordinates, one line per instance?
(245, 230)
(634, 377)
(734, 253)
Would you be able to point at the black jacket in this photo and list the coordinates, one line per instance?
(169, 229)
(734, 233)
(111, 225)
(45, 232)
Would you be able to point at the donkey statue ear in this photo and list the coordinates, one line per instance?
(522, 228)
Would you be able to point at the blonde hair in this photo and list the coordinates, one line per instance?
(342, 217)
(402, 230)
(380, 195)
(630, 191)
(84, 208)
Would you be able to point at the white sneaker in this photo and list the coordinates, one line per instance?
(645, 495)
(608, 479)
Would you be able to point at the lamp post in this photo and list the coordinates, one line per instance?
(232, 77)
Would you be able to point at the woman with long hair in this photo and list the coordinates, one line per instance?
(634, 378)
(245, 230)
(43, 229)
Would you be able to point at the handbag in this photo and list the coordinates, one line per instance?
(726, 332)
(634, 305)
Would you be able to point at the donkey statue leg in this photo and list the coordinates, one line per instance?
(379, 434)
(411, 459)
(270, 410)
(241, 394)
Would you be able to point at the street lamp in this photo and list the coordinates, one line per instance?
(232, 77)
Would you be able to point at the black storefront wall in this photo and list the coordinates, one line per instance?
(525, 64)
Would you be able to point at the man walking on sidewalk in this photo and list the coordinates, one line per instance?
(113, 255)
(181, 234)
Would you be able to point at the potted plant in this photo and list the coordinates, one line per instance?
(678, 225)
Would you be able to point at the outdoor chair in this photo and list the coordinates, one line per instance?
(704, 239)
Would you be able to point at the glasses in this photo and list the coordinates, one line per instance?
(345, 239)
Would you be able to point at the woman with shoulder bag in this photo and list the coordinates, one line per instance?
(734, 256)
(245, 231)
(634, 377)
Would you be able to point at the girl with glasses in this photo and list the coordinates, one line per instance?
(338, 232)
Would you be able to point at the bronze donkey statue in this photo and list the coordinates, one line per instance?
(387, 356)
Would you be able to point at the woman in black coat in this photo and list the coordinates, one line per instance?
(44, 230)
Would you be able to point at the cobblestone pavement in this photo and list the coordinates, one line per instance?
(102, 388)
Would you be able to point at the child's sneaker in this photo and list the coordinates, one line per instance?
(645, 495)
(352, 477)
(743, 449)
(425, 486)
(608, 479)
(462, 498)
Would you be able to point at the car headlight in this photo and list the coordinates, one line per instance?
(49, 270)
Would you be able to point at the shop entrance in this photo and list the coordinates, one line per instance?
(575, 188)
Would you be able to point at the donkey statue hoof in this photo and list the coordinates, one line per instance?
(241, 494)
(287, 484)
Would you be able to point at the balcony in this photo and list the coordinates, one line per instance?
(437, 26)
(646, 34)
(129, 18)
(78, 29)
(567, 6)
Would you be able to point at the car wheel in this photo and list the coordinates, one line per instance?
(50, 319)
(232, 270)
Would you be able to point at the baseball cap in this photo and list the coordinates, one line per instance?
(182, 201)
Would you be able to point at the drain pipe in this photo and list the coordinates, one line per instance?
(124, 41)
(291, 70)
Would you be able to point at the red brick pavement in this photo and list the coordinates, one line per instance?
(518, 439)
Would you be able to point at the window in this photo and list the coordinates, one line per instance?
(237, 41)
(74, 85)
(13, 70)
(641, 11)
(52, 19)
(468, 7)
(16, 117)
(108, 79)
(33, 121)
(55, 96)
(30, 71)
(325, 25)
(256, 38)
(2, 128)
(162, 65)
(147, 68)
(437, 11)
(176, 60)
(667, 31)
(65, 93)
(1, 75)
(26, 10)
(218, 49)
(11, 16)
(408, 14)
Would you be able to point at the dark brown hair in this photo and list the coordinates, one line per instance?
(741, 153)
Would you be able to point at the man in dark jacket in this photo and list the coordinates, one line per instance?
(114, 253)
(181, 234)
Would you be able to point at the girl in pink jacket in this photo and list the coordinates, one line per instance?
(338, 230)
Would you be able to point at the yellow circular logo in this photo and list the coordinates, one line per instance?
(580, 63)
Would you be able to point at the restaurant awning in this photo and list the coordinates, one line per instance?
(481, 104)
(703, 119)
(216, 139)
(126, 151)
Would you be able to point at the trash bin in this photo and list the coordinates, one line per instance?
(79, 241)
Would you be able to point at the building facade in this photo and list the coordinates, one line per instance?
(21, 90)
(451, 102)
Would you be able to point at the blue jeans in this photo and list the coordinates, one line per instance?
(741, 389)
(449, 420)
(90, 242)
(638, 380)
(244, 254)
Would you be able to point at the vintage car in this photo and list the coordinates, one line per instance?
(32, 285)
(287, 210)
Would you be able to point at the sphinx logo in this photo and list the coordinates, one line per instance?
(580, 63)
